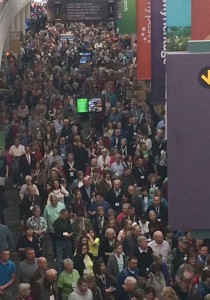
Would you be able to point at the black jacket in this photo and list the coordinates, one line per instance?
(26, 206)
(60, 226)
(145, 260)
(115, 202)
(79, 265)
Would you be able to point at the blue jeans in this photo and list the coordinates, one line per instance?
(63, 251)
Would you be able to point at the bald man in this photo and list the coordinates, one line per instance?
(40, 272)
(159, 245)
(46, 287)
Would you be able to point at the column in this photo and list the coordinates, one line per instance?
(22, 20)
(28, 11)
(17, 22)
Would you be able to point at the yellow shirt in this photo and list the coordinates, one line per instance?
(93, 248)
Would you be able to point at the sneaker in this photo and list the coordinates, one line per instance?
(14, 185)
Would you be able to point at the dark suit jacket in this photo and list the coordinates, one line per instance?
(35, 277)
(105, 248)
(141, 176)
(162, 215)
(24, 166)
(113, 269)
(85, 196)
(97, 226)
(42, 290)
(25, 205)
(113, 200)
(145, 259)
(70, 176)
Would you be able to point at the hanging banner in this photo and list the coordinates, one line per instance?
(200, 19)
(159, 40)
(127, 17)
(144, 39)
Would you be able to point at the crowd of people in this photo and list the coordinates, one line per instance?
(91, 186)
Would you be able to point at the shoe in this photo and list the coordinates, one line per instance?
(14, 185)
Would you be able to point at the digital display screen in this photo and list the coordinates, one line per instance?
(95, 105)
(82, 105)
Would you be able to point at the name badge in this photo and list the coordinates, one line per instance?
(71, 174)
(31, 207)
(52, 297)
(142, 177)
(117, 204)
(65, 233)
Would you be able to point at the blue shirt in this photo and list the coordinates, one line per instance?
(94, 205)
(6, 272)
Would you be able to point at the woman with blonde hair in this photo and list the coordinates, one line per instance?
(169, 294)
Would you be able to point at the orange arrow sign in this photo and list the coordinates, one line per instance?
(206, 78)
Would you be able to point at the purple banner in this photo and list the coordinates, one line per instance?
(158, 50)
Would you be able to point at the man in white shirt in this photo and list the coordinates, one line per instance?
(117, 167)
(159, 245)
(104, 160)
(16, 151)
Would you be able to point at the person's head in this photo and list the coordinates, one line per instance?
(98, 197)
(17, 142)
(31, 191)
(118, 249)
(82, 285)
(125, 208)
(24, 290)
(56, 185)
(111, 214)
(182, 243)
(156, 268)
(118, 158)
(117, 184)
(150, 293)
(5, 255)
(169, 294)
(68, 265)
(28, 179)
(130, 284)
(127, 171)
(192, 259)
(100, 211)
(144, 191)
(107, 175)
(140, 162)
(99, 267)
(91, 281)
(42, 263)
(51, 276)
(36, 211)
(203, 250)
(86, 181)
(132, 263)
(152, 215)
(207, 297)
(82, 249)
(27, 150)
(53, 200)
(55, 151)
(131, 190)
(110, 233)
(29, 231)
(131, 211)
(78, 194)
(70, 157)
(158, 237)
(30, 254)
(156, 200)
(126, 224)
(136, 230)
(62, 141)
(142, 242)
(64, 214)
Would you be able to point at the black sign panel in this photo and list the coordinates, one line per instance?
(85, 10)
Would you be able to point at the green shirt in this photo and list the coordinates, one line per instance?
(51, 214)
(67, 281)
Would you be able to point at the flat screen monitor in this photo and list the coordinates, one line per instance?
(82, 105)
(95, 105)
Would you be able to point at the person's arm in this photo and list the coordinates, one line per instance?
(110, 271)
(22, 191)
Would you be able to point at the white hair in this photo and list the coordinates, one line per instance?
(68, 261)
(130, 279)
(22, 287)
